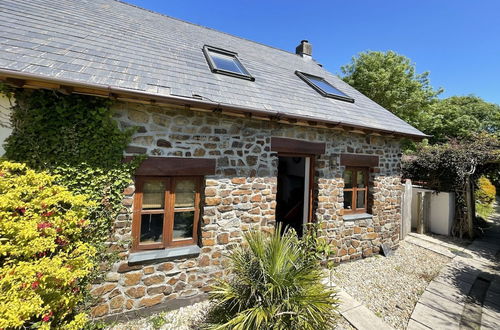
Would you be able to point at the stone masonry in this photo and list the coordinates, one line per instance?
(240, 196)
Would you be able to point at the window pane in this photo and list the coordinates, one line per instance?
(151, 228)
(360, 199)
(153, 195)
(183, 225)
(348, 200)
(226, 62)
(347, 179)
(360, 180)
(326, 87)
(184, 193)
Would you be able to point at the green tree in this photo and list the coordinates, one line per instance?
(391, 80)
(461, 117)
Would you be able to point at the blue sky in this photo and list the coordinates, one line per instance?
(458, 41)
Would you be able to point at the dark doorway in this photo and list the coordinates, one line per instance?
(293, 192)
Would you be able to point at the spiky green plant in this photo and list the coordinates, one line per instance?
(273, 285)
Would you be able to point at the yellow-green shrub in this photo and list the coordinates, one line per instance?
(486, 192)
(43, 257)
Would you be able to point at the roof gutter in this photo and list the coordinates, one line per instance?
(187, 101)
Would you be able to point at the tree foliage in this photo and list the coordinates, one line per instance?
(462, 117)
(274, 284)
(391, 80)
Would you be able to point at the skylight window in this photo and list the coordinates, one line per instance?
(225, 62)
(324, 87)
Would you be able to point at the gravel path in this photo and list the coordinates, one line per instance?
(187, 318)
(390, 287)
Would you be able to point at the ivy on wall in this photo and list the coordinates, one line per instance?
(74, 137)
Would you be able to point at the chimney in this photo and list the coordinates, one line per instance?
(304, 49)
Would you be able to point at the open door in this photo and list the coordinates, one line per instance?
(293, 197)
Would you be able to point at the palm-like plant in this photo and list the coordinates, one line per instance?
(273, 285)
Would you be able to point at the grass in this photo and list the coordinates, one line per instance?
(428, 277)
(484, 211)
(158, 321)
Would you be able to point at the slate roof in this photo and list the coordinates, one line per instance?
(116, 44)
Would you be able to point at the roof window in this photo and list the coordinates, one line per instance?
(225, 62)
(324, 87)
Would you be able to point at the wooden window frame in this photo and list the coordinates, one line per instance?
(168, 212)
(355, 189)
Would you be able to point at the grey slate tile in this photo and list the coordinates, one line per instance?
(128, 47)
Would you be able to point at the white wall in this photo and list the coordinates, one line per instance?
(5, 129)
(442, 211)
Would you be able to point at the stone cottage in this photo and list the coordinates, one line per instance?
(239, 136)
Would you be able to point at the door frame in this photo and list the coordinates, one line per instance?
(310, 183)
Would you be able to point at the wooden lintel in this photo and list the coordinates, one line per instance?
(15, 82)
(175, 166)
(359, 160)
(66, 90)
(293, 146)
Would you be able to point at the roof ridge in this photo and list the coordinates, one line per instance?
(202, 26)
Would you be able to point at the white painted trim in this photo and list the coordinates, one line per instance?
(307, 171)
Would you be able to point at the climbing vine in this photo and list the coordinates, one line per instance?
(75, 138)
(449, 166)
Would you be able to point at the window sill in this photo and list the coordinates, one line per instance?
(357, 216)
(164, 254)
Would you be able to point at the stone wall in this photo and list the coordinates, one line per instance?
(241, 195)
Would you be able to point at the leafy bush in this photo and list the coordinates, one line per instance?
(44, 260)
(485, 196)
(273, 285)
(486, 192)
(446, 167)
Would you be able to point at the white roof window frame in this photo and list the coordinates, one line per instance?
(306, 77)
(243, 74)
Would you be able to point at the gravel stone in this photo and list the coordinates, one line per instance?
(185, 318)
(390, 287)
(189, 318)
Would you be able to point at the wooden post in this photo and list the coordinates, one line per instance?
(420, 212)
(427, 211)
(423, 211)
(406, 209)
(469, 197)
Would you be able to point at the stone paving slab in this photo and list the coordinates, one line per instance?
(363, 319)
(450, 292)
(430, 246)
(414, 325)
(457, 271)
(356, 313)
(436, 241)
(434, 319)
(490, 320)
(447, 302)
(443, 305)
(346, 302)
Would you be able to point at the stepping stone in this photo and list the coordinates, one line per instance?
(450, 292)
(414, 325)
(442, 305)
(346, 302)
(434, 319)
(363, 319)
